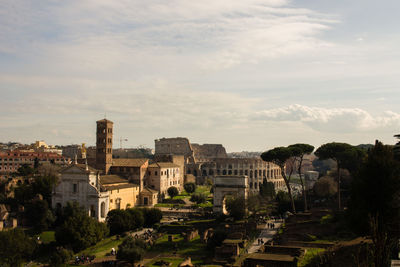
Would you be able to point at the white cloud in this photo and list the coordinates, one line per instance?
(331, 119)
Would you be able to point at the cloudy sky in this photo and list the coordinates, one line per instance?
(250, 74)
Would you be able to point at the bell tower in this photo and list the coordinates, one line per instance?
(104, 139)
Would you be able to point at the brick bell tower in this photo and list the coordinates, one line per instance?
(104, 138)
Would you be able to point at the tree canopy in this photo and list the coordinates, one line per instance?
(172, 191)
(279, 156)
(346, 156)
(15, 248)
(190, 187)
(80, 231)
(131, 250)
(375, 201)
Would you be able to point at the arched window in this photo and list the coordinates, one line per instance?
(251, 174)
(224, 172)
(230, 172)
(235, 172)
(210, 172)
(103, 210)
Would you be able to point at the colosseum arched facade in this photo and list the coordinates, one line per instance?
(256, 169)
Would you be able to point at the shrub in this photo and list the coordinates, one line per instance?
(172, 191)
(190, 187)
(198, 198)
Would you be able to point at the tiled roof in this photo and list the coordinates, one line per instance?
(150, 190)
(80, 166)
(119, 186)
(164, 165)
(112, 179)
(128, 162)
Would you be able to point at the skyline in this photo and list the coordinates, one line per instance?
(249, 76)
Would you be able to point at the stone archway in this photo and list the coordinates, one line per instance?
(228, 185)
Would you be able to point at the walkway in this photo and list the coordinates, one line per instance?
(265, 235)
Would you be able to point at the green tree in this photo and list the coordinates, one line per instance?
(279, 156)
(38, 214)
(236, 206)
(118, 221)
(131, 250)
(136, 219)
(346, 157)
(23, 193)
(396, 148)
(151, 216)
(43, 185)
(60, 256)
(190, 187)
(325, 187)
(79, 231)
(25, 170)
(299, 151)
(267, 190)
(15, 248)
(172, 192)
(198, 198)
(375, 202)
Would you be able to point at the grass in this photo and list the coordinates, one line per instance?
(194, 248)
(47, 237)
(203, 189)
(309, 256)
(103, 247)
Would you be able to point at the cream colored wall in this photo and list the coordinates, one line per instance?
(127, 195)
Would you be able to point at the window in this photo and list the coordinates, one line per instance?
(74, 188)
(103, 210)
(155, 173)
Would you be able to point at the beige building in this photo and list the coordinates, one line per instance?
(97, 193)
(134, 170)
(162, 175)
(122, 195)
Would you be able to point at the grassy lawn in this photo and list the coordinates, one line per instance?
(168, 205)
(103, 247)
(194, 248)
(203, 189)
(47, 237)
(309, 256)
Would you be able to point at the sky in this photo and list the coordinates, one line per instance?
(251, 74)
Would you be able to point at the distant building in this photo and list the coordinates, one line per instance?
(97, 193)
(210, 160)
(10, 161)
(162, 175)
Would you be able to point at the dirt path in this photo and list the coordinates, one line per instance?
(265, 235)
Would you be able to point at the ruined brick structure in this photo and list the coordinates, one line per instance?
(210, 160)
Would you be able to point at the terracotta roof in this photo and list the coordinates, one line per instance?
(120, 186)
(112, 179)
(164, 165)
(80, 166)
(150, 190)
(128, 162)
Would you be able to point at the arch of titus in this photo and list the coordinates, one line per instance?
(229, 185)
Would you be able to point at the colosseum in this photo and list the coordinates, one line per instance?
(209, 160)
